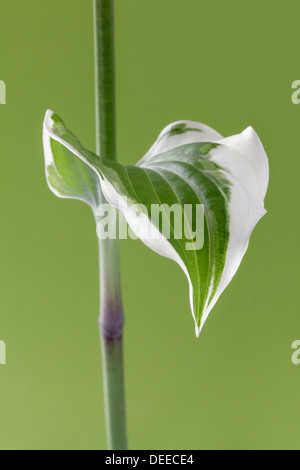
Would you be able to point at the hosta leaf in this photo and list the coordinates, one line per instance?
(67, 177)
(190, 164)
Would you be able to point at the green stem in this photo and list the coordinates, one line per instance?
(105, 78)
(111, 311)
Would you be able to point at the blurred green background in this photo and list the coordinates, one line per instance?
(227, 64)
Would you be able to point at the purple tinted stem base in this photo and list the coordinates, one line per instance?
(112, 359)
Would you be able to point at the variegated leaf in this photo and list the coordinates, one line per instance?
(189, 165)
